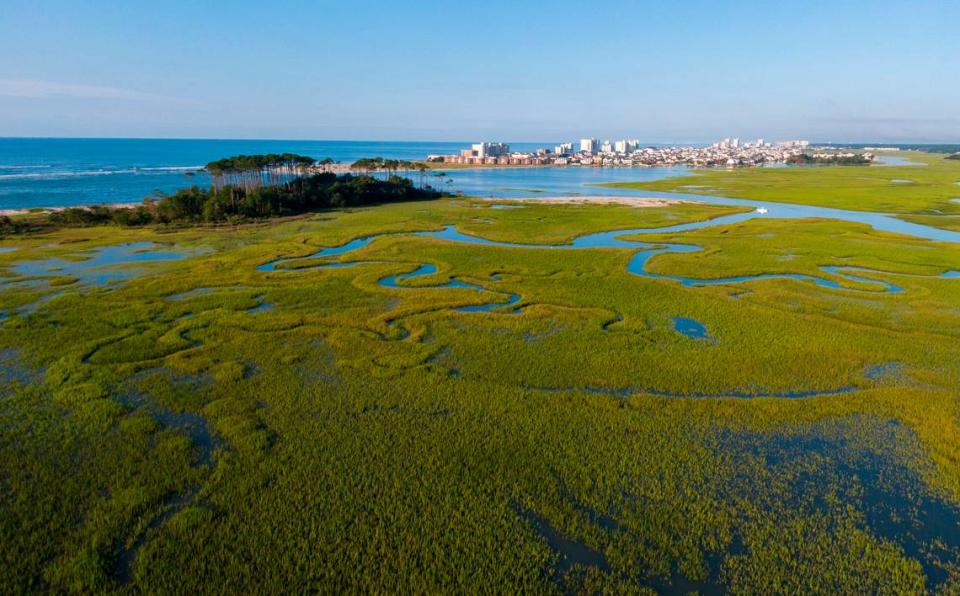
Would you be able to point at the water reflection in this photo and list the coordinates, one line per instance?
(101, 265)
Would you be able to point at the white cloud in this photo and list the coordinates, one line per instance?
(46, 89)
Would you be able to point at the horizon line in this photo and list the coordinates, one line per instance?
(420, 141)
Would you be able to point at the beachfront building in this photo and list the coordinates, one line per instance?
(729, 152)
(490, 149)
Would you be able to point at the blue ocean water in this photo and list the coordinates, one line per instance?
(59, 172)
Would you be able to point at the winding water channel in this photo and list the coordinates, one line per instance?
(539, 182)
(636, 266)
(106, 264)
(573, 182)
(613, 239)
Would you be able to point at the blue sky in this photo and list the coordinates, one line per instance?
(519, 71)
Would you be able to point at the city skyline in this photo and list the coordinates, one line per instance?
(666, 74)
(729, 152)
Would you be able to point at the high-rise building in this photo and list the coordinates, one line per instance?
(735, 143)
(563, 149)
(491, 149)
(590, 146)
(760, 142)
(607, 147)
(626, 146)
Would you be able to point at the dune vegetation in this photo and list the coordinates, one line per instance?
(199, 422)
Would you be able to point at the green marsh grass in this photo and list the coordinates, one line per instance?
(870, 188)
(350, 456)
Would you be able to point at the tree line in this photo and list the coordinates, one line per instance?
(391, 167)
(839, 160)
(257, 171)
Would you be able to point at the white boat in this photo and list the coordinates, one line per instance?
(762, 210)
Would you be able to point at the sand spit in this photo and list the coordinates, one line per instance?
(24, 211)
(594, 200)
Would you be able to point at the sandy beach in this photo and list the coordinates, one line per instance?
(594, 200)
(9, 212)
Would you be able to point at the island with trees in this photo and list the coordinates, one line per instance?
(248, 187)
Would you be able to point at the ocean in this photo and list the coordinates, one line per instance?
(37, 172)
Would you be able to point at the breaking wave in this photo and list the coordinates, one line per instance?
(62, 174)
(172, 169)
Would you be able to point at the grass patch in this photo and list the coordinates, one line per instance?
(368, 438)
(931, 186)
